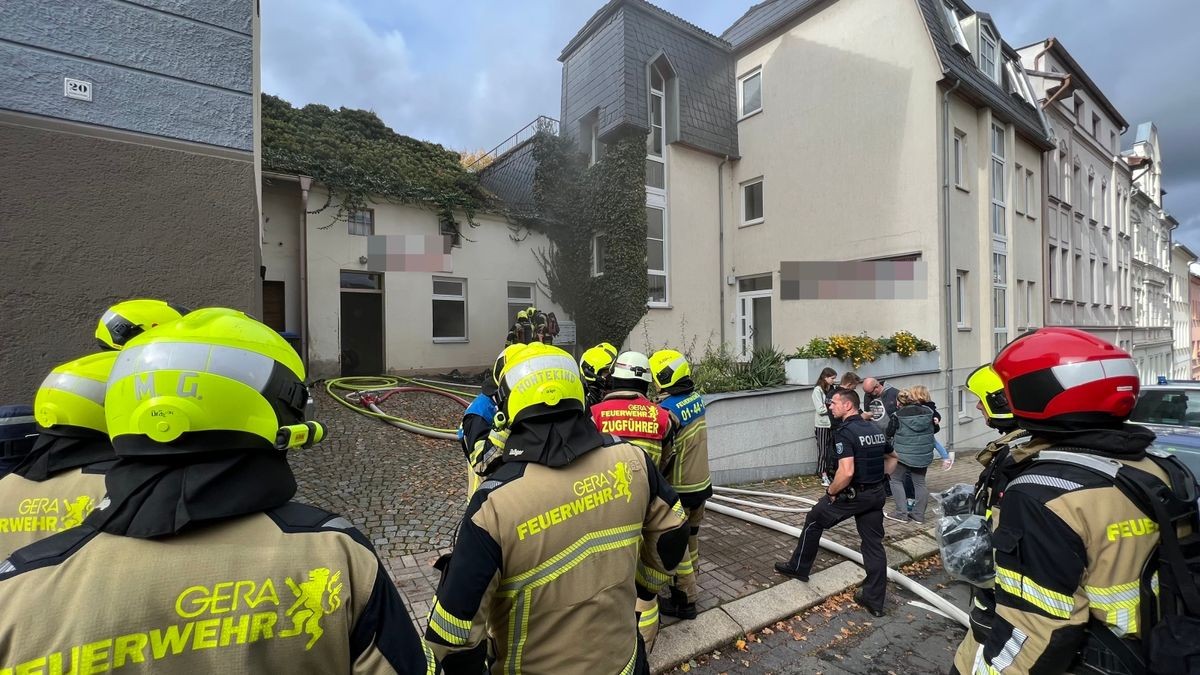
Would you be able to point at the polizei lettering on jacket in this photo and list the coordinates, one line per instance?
(591, 492)
(223, 615)
(873, 439)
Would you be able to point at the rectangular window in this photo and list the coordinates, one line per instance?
(448, 229)
(1092, 197)
(1052, 269)
(1104, 284)
(1104, 219)
(750, 93)
(1112, 142)
(1096, 127)
(988, 62)
(998, 226)
(752, 202)
(599, 252)
(361, 281)
(520, 296)
(1031, 201)
(960, 298)
(956, 30)
(1018, 185)
(656, 255)
(960, 148)
(1020, 304)
(1079, 294)
(1065, 268)
(1095, 294)
(449, 310)
(361, 223)
(1030, 322)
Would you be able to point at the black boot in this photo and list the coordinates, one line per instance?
(677, 605)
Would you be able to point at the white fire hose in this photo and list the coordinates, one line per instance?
(942, 606)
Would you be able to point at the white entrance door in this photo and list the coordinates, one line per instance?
(753, 315)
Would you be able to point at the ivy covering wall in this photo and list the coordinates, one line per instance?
(574, 203)
(356, 155)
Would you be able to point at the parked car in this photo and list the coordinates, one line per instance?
(1172, 412)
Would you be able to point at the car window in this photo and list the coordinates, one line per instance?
(1176, 407)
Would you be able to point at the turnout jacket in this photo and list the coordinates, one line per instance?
(689, 474)
(550, 554)
(1069, 547)
(53, 488)
(638, 420)
(291, 590)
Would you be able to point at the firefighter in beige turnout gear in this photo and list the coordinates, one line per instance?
(1070, 547)
(198, 562)
(626, 411)
(61, 480)
(550, 556)
(688, 472)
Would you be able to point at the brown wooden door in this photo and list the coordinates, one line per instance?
(274, 313)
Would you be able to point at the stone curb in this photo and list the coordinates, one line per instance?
(685, 640)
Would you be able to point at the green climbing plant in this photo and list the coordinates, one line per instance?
(358, 158)
(574, 204)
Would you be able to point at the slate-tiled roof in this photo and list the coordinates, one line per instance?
(956, 64)
(510, 178)
(764, 18)
(611, 6)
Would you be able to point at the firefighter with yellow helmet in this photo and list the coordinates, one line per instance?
(688, 473)
(198, 546)
(61, 480)
(127, 319)
(595, 365)
(551, 543)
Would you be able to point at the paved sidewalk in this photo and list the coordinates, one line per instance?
(407, 494)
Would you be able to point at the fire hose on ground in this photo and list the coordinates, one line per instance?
(366, 393)
(938, 603)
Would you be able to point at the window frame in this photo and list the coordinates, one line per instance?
(759, 180)
(598, 270)
(351, 222)
(962, 306)
(741, 93)
(665, 272)
(435, 296)
(956, 30)
(513, 300)
(960, 159)
(988, 39)
(1031, 202)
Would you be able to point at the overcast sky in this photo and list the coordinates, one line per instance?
(469, 73)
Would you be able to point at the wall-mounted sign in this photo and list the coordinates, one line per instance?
(79, 89)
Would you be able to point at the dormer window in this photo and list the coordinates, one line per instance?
(956, 30)
(989, 61)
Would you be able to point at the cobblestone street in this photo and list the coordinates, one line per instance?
(407, 494)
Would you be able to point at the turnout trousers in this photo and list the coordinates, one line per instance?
(866, 507)
(685, 574)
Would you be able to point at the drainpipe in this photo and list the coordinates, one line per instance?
(305, 185)
(721, 245)
(946, 269)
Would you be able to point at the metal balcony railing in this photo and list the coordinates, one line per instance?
(542, 123)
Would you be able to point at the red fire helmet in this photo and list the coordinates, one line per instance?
(1065, 375)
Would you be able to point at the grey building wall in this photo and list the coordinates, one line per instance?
(606, 72)
(179, 69)
(147, 190)
(86, 222)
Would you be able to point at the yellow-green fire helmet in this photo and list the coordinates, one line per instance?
(538, 380)
(126, 320)
(985, 383)
(595, 361)
(669, 367)
(214, 379)
(72, 395)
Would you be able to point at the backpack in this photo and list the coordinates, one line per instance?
(1170, 619)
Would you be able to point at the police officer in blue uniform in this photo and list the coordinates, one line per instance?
(863, 459)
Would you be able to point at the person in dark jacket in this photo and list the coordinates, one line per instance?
(910, 432)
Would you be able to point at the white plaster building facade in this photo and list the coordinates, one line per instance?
(923, 144)
(368, 315)
(1181, 311)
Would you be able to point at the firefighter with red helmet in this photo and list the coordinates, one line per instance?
(1076, 559)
